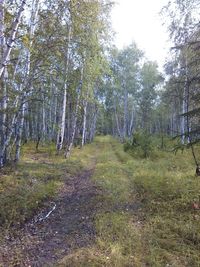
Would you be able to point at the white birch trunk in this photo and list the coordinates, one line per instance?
(61, 131)
(93, 124)
(117, 122)
(12, 38)
(125, 113)
(43, 122)
(32, 25)
(85, 103)
(182, 126)
(2, 4)
(55, 114)
(19, 133)
(69, 147)
(3, 100)
(131, 127)
(7, 139)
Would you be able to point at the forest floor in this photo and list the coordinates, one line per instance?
(69, 226)
(108, 209)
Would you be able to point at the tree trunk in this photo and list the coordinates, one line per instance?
(117, 122)
(74, 124)
(43, 121)
(2, 5)
(182, 126)
(93, 124)
(131, 124)
(34, 13)
(12, 38)
(7, 139)
(125, 113)
(61, 131)
(85, 103)
(19, 132)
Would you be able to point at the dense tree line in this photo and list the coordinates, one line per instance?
(166, 104)
(62, 81)
(131, 93)
(52, 62)
(182, 88)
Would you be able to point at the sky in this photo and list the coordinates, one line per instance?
(139, 21)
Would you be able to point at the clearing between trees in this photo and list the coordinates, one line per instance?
(100, 207)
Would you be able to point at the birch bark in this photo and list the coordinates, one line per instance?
(182, 126)
(85, 103)
(32, 25)
(117, 122)
(131, 127)
(12, 38)
(61, 130)
(8, 136)
(125, 113)
(93, 124)
(69, 147)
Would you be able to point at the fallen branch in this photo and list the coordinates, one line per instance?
(48, 214)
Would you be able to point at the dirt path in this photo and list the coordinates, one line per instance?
(70, 226)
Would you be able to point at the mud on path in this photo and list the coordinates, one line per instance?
(69, 227)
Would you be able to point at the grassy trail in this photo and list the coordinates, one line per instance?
(147, 218)
(113, 210)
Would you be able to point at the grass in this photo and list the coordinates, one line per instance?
(147, 217)
(162, 230)
(38, 177)
(167, 189)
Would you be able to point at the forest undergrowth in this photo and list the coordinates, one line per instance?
(150, 214)
(150, 218)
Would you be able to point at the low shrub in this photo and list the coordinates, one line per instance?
(140, 144)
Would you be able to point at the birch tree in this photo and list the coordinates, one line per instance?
(11, 39)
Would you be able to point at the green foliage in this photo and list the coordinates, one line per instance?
(140, 144)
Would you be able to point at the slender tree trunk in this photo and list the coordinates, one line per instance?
(55, 111)
(182, 126)
(12, 38)
(3, 93)
(85, 103)
(19, 132)
(131, 123)
(61, 132)
(43, 121)
(74, 124)
(125, 113)
(84, 124)
(93, 123)
(5, 144)
(117, 122)
(69, 112)
(32, 24)
(2, 5)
